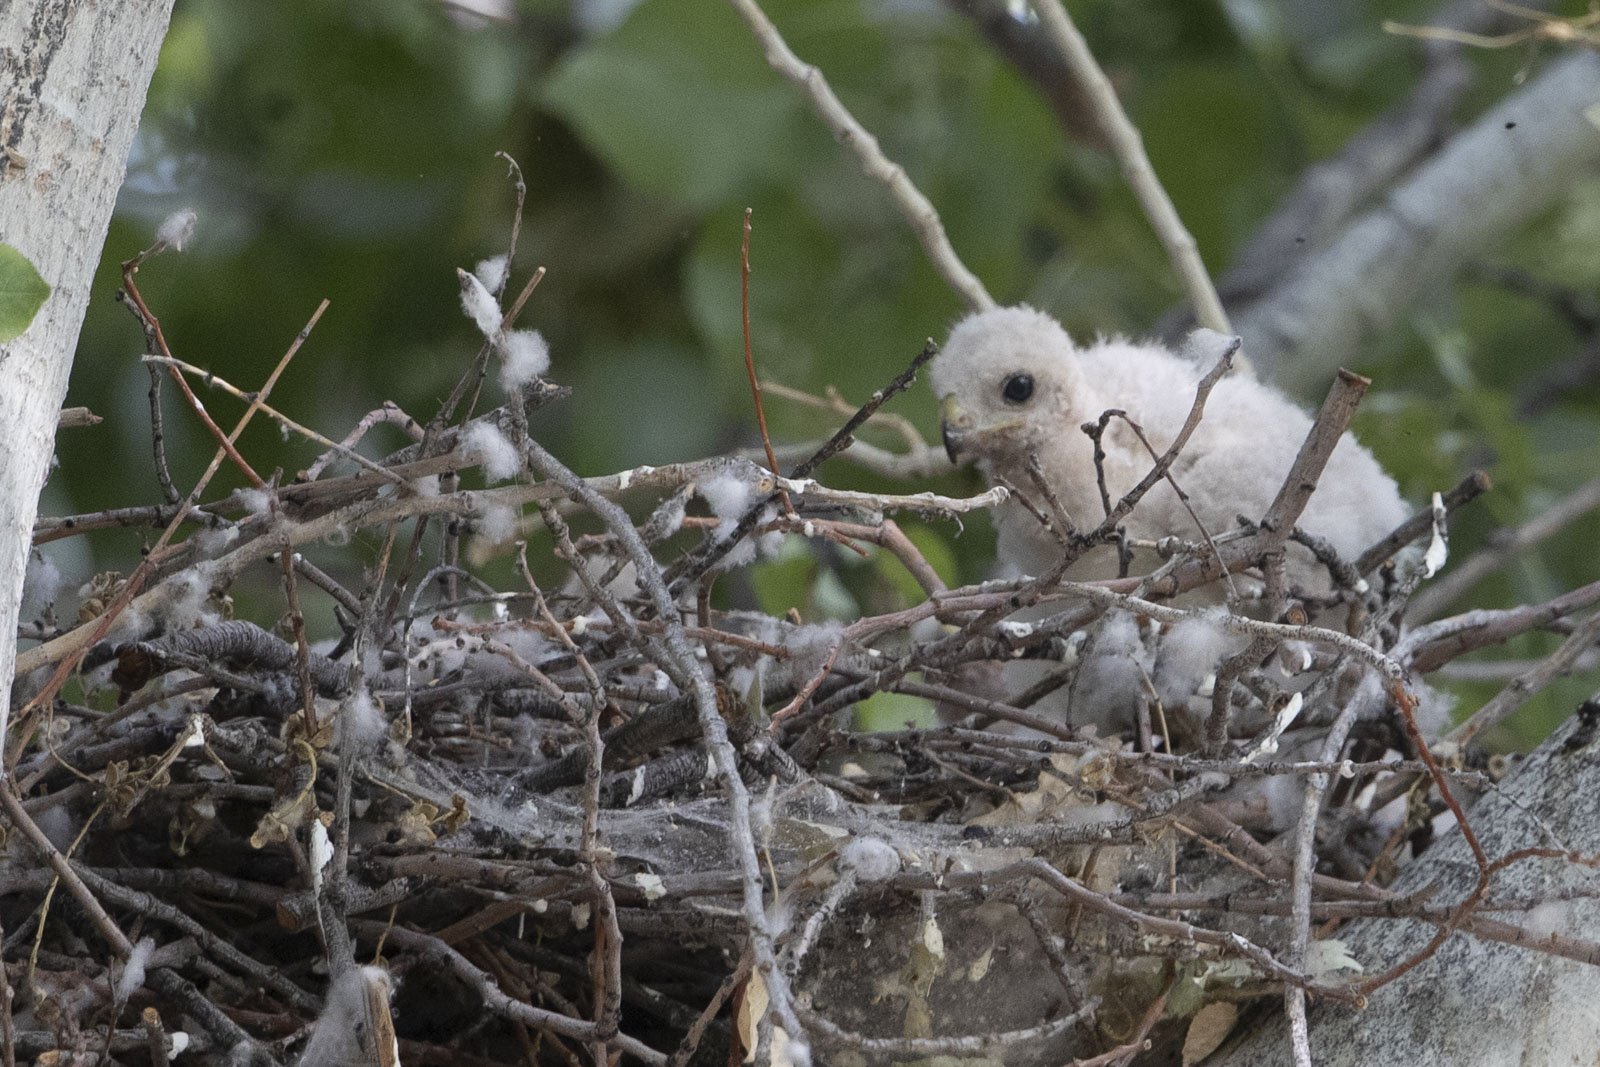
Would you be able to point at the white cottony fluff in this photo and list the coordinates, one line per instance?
(729, 496)
(355, 1025)
(255, 501)
(492, 272)
(730, 493)
(40, 585)
(524, 356)
(872, 860)
(187, 608)
(177, 230)
(1112, 674)
(132, 976)
(484, 441)
(530, 644)
(499, 523)
(58, 825)
(744, 553)
(668, 518)
(479, 304)
(1233, 465)
(367, 725)
(215, 540)
(1189, 654)
(810, 648)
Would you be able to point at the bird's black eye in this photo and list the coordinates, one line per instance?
(1017, 388)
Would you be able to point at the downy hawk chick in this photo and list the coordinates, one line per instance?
(1013, 384)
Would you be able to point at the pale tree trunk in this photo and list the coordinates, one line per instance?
(74, 75)
(1481, 1002)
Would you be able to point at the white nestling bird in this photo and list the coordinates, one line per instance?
(1014, 385)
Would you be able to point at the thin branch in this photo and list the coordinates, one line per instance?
(1337, 410)
(918, 210)
(1467, 490)
(749, 357)
(1436, 644)
(1128, 147)
(1305, 860)
(19, 820)
(844, 437)
(1509, 165)
(1513, 696)
(72, 646)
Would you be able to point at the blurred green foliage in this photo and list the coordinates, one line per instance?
(346, 150)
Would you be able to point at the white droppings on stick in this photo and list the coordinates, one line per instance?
(320, 853)
(1439, 546)
(1284, 719)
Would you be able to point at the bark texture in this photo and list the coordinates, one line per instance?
(73, 74)
(1513, 162)
(1477, 1001)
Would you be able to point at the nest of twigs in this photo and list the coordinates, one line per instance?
(606, 818)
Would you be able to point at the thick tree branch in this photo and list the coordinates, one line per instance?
(1513, 162)
(74, 78)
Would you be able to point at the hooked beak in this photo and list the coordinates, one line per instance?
(954, 426)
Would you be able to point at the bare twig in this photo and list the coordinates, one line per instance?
(155, 1037)
(19, 820)
(1467, 490)
(749, 357)
(844, 437)
(689, 676)
(1513, 696)
(1128, 147)
(917, 209)
(1304, 852)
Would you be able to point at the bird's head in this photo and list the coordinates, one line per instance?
(1002, 379)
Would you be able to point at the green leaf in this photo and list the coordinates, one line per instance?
(22, 293)
(894, 711)
(681, 103)
(934, 548)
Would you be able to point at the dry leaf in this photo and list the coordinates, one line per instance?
(752, 1006)
(282, 821)
(1207, 1030)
